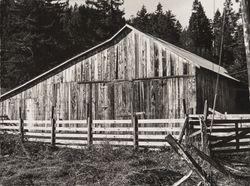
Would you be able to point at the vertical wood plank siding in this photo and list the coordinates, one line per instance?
(227, 92)
(131, 55)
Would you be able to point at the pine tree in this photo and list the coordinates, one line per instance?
(230, 26)
(142, 19)
(160, 24)
(217, 29)
(109, 15)
(200, 30)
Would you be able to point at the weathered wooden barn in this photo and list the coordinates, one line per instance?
(130, 72)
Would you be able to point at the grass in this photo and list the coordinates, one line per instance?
(38, 164)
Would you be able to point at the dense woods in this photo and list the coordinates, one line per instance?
(37, 35)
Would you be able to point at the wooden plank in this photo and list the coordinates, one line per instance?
(21, 130)
(218, 138)
(183, 129)
(204, 135)
(236, 135)
(113, 129)
(135, 132)
(225, 130)
(230, 138)
(9, 122)
(230, 150)
(112, 136)
(159, 129)
(195, 133)
(146, 121)
(9, 127)
(225, 121)
(187, 157)
(72, 136)
(53, 128)
(231, 144)
(112, 122)
(38, 134)
(68, 142)
(208, 159)
(71, 129)
(71, 121)
(37, 121)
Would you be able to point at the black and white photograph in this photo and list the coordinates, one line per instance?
(124, 92)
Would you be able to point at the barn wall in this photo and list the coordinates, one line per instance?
(131, 56)
(227, 92)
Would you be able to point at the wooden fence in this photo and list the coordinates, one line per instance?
(229, 133)
(226, 135)
(135, 132)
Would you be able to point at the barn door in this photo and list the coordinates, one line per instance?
(122, 100)
(101, 99)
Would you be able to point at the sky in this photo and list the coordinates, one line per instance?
(181, 8)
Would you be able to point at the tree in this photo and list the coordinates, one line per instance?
(109, 16)
(160, 24)
(34, 39)
(230, 26)
(200, 30)
(142, 19)
(217, 29)
(238, 68)
(39, 34)
(246, 24)
(233, 53)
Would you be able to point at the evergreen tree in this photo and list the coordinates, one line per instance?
(160, 24)
(34, 39)
(142, 19)
(39, 34)
(230, 26)
(109, 16)
(200, 30)
(217, 29)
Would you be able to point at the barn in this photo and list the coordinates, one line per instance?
(131, 72)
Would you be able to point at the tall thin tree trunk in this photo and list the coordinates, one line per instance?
(246, 26)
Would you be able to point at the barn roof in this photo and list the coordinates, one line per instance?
(192, 58)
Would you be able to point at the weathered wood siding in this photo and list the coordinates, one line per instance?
(130, 56)
(227, 92)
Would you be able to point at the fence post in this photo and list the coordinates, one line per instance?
(89, 125)
(187, 133)
(187, 127)
(186, 123)
(204, 135)
(21, 125)
(236, 136)
(135, 131)
(53, 127)
(184, 107)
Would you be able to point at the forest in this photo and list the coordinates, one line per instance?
(37, 35)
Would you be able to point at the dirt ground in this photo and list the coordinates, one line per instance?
(38, 164)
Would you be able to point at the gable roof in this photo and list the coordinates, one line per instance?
(192, 58)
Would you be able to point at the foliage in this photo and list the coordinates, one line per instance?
(37, 35)
(200, 31)
(160, 24)
(233, 53)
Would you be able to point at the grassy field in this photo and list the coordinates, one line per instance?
(38, 164)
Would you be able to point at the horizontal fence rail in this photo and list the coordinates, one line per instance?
(227, 135)
(137, 132)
